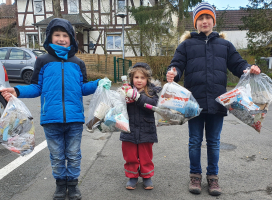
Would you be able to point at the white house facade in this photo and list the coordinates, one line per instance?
(97, 23)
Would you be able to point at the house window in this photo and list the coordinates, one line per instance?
(73, 7)
(121, 7)
(114, 42)
(38, 7)
(32, 41)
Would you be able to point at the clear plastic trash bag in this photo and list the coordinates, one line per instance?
(250, 99)
(107, 112)
(17, 131)
(178, 100)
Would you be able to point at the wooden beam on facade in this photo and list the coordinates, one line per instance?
(26, 8)
(132, 3)
(131, 43)
(97, 41)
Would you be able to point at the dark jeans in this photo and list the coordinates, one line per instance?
(213, 126)
(63, 141)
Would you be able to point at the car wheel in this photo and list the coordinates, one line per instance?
(3, 104)
(27, 75)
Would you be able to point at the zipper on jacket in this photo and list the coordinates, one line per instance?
(43, 104)
(207, 39)
(63, 102)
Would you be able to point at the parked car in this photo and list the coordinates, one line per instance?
(5, 83)
(38, 52)
(19, 62)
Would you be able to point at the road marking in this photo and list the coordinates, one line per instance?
(20, 160)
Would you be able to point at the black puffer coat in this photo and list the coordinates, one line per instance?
(141, 120)
(205, 61)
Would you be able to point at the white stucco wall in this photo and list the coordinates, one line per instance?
(237, 38)
(48, 5)
(21, 5)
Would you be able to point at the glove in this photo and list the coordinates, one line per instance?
(105, 82)
(133, 94)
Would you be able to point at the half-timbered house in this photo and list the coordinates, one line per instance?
(97, 23)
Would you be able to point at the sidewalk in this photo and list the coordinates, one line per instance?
(245, 166)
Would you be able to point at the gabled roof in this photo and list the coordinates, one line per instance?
(75, 19)
(231, 19)
(7, 11)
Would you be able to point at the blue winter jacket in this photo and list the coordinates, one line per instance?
(204, 61)
(60, 83)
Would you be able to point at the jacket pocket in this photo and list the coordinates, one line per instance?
(149, 125)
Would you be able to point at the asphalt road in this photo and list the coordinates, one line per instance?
(245, 165)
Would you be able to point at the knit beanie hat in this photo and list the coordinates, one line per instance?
(204, 8)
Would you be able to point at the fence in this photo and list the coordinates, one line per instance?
(99, 66)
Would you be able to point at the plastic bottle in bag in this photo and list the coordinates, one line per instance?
(126, 86)
(167, 114)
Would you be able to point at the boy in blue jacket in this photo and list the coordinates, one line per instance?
(205, 57)
(60, 79)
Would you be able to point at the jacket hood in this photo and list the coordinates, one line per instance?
(66, 25)
(187, 35)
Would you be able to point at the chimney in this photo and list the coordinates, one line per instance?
(214, 7)
(8, 2)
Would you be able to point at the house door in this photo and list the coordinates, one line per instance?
(79, 37)
(32, 41)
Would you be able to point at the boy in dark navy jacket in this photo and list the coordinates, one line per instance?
(60, 79)
(204, 57)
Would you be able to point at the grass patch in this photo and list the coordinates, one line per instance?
(230, 84)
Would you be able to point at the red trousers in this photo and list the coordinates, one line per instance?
(138, 159)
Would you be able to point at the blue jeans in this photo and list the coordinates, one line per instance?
(213, 124)
(63, 141)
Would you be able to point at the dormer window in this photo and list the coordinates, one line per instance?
(73, 7)
(121, 6)
(38, 7)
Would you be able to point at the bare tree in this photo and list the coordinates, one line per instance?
(56, 8)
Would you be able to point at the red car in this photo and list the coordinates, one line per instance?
(4, 82)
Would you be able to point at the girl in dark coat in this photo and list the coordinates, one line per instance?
(137, 145)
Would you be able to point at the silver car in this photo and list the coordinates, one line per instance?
(4, 83)
(19, 62)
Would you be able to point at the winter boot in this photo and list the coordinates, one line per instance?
(195, 183)
(73, 190)
(148, 185)
(60, 192)
(131, 184)
(214, 188)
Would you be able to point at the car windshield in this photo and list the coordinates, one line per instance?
(39, 52)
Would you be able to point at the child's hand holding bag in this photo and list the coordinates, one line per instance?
(17, 127)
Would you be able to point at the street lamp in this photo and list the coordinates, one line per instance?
(123, 29)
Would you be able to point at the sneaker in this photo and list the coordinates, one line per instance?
(148, 185)
(131, 184)
(214, 188)
(195, 183)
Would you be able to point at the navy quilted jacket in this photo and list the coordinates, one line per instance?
(141, 120)
(204, 61)
(60, 83)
